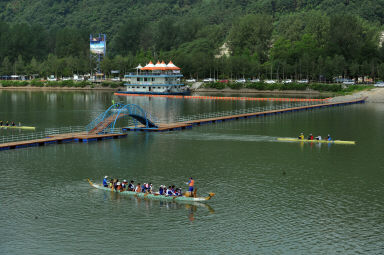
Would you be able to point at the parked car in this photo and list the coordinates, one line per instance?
(51, 78)
(255, 80)
(66, 78)
(190, 80)
(240, 81)
(303, 81)
(269, 81)
(287, 81)
(349, 82)
(209, 80)
(224, 81)
(379, 84)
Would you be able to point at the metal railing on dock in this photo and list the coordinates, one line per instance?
(40, 135)
(210, 115)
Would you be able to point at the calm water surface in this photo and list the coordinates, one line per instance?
(330, 201)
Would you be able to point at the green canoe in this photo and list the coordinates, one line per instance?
(155, 196)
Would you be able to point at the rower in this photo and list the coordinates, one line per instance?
(329, 138)
(13, 124)
(170, 191)
(318, 137)
(301, 136)
(6, 123)
(144, 187)
(161, 190)
(191, 183)
(131, 186)
(105, 182)
(1, 122)
(124, 184)
(310, 137)
(138, 188)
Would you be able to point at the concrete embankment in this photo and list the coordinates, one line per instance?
(375, 95)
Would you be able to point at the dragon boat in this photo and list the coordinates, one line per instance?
(315, 141)
(155, 196)
(17, 127)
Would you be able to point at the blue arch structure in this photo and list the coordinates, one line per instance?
(107, 120)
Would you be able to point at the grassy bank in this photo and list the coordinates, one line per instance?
(59, 84)
(321, 87)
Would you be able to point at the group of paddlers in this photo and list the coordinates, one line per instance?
(7, 124)
(147, 187)
(311, 137)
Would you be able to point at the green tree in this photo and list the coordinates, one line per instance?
(6, 66)
(19, 65)
(252, 33)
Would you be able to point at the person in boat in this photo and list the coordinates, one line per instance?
(115, 183)
(19, 124)
(124, 184)
(131, 186)
(170, 191)
(310, 137)
(301, 136)
(6, 123)
(150, 188)
(105, 182)
(161, 190)
(144, 188)
(191, 183)
(110, 184)
(1, 123)
(118, 186)
(329, 138)
(178, 192)
(138, 188)
(318, 138)
(13, 124)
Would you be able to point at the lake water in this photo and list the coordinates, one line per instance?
(329, 201)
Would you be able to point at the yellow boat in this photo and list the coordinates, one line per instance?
(17, 127)
(315, 141)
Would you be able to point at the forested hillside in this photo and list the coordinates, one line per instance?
(267, 38)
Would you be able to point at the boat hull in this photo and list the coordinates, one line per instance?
(155, 196)
(127, 93)
(17, 127)
(315, 141)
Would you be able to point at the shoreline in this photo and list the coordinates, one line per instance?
(375, 95)
(254, 91)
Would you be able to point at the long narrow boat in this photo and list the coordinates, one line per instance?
(155, 196)
(315, 141)
(18, 127)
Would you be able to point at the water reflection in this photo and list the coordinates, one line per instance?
(192, 209)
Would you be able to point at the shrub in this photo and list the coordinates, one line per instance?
(236, 85)
(37, 83)
(14, 83)
(215, 85)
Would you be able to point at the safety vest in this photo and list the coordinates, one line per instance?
(191, 183)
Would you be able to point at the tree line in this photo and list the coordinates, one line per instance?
(301, 45)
